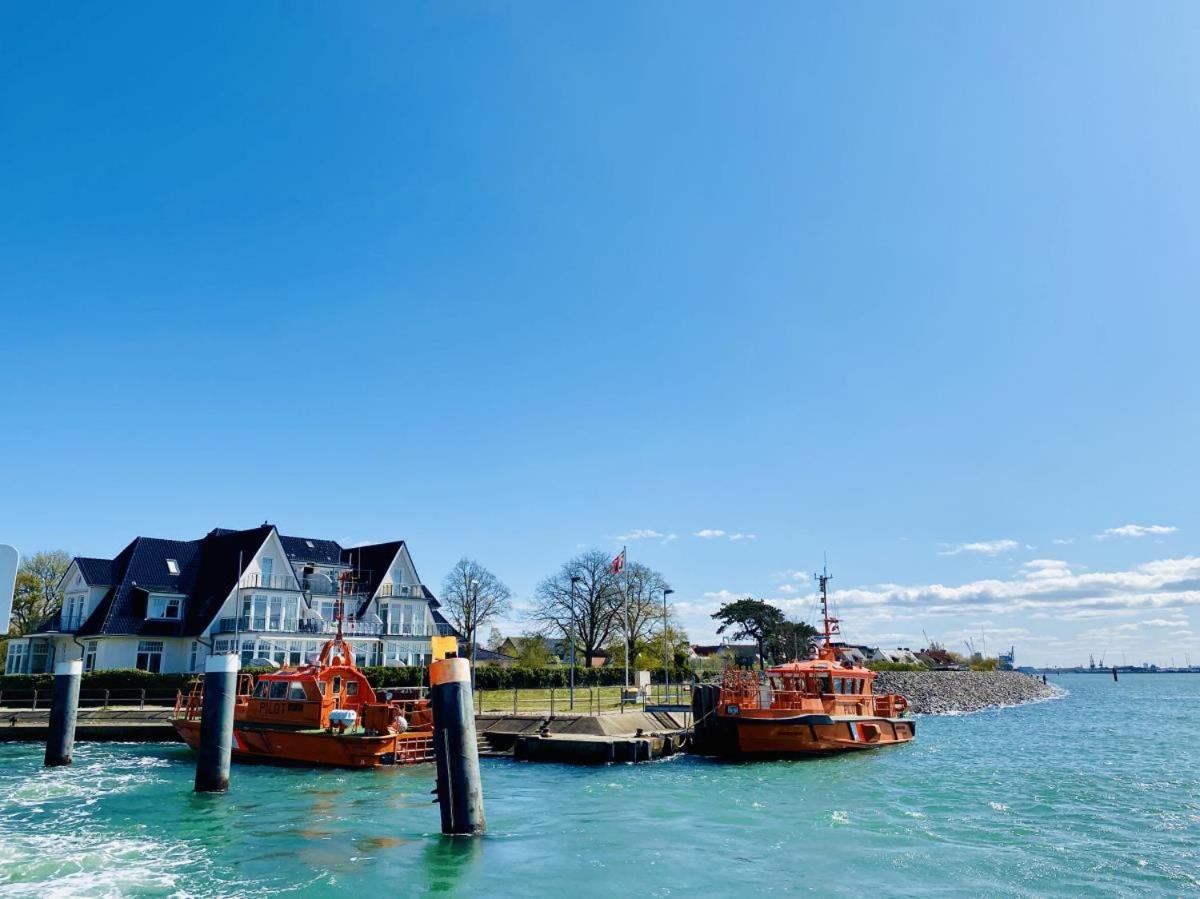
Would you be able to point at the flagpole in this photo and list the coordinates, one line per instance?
(625, 565)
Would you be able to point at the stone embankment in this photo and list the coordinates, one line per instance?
(946, 692)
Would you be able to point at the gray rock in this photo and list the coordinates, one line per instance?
(947, 692)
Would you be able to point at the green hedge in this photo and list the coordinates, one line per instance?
(108, 679)
(487, 677)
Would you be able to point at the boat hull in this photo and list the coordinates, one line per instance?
(812, 735)
(294, 747)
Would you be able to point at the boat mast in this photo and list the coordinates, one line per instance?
(831, 624)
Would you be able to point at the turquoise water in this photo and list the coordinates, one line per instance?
(1097, 793)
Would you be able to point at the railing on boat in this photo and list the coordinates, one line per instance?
(746, 690)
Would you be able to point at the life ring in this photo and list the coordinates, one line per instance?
(900, 704)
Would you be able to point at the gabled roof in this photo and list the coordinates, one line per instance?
(310, 549)
(371, 563)
(225, 556)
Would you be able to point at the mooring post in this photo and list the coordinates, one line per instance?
(216, 723)
(459, 788)
(64, 709)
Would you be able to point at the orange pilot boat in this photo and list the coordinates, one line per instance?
(818, 706)
(325, 713)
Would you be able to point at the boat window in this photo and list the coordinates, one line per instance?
(296, 692)
(337, 685)
(321, 686)
(351, 688)
(260, 689)
(279, 689)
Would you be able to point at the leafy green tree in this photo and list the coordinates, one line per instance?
(38, 593)
(534, 652)
(750, 619)
(791, 640)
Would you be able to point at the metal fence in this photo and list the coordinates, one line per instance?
(35, 700)
(586, 700)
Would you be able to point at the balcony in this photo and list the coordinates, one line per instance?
(397, 629)
(256, 623)
(402, 591)
(269, 582)
(73, 623)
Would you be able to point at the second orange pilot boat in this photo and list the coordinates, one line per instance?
(817, 706)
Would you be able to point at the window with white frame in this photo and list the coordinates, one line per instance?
(249, 651)
(172, 566)
(17, 655)
(89, 655)
(149, 655)
(169, 607)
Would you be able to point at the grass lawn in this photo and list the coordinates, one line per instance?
(587, 700)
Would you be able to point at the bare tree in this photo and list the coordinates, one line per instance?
(38, 593)
(581, 602)
(472, 596)
(642, 595)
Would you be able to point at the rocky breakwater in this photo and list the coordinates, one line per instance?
(946, 692)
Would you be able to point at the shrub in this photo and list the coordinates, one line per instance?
(896, 666)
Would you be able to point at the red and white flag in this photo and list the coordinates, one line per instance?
(618, 563)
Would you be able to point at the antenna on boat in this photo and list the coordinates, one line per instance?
(831, 624)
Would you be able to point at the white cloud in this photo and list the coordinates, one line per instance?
(639, 534)
(1063, 541)
(1046, 568)
(984, 548)
(644, 534)
(788, 588)
(1138, 530)
(712, 533)
(1047, 589)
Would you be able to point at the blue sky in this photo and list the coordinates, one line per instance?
(508, 280)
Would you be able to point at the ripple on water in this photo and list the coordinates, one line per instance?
(1051, 799)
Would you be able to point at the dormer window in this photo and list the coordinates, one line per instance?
(172, 566)
(169, 607)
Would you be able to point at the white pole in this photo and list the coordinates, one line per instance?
(625, 565)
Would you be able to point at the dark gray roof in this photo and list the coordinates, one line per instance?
(310, 549)
(96, 572)
(208, 570)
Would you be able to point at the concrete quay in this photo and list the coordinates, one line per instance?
(639, 736)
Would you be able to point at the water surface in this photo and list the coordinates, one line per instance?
(1098, 793)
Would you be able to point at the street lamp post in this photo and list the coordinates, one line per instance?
(473, 606)
(666, 649)
(575, 579)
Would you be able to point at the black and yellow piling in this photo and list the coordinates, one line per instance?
(64, 709)
(459, 787)
(216, 724)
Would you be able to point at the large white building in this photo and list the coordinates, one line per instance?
(165, 605)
